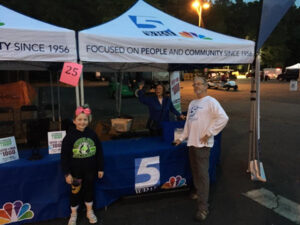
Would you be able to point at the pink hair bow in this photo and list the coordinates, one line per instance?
(80, 109)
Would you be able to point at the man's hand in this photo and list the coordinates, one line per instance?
(69, 179)
(177, 142)
(204, 140)
(100, 174)
(183, 117)
(141, 85)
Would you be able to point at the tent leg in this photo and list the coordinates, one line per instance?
(52, 97)
(251, 125)
(81, 88)
(120, 94)
(256, 167)
(77, 96)
(257, 108)
(116, 93)
(58, 102)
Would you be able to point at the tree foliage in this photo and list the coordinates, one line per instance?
(236, 18)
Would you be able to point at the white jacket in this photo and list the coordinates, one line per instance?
(205, 117)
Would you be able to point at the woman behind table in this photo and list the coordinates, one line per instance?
(82, 162)
(159, 107)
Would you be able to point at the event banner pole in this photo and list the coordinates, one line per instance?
(251, 127)
(256, 166)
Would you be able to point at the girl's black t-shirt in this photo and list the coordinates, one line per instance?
(81, 150)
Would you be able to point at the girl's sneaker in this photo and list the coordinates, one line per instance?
(91, 216)
(201, 215)
(73, 219)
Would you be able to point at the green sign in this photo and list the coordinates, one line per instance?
(5, 142)
(57, 135)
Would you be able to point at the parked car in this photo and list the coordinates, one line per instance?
(272, 73)
(263, 76)
(221, 80)
(289, 75)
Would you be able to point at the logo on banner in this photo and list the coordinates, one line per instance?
(147, 174)
(2, 24)
(174, 182)
(151, 26)
(154, 27)
(15, 212)
(193, 35)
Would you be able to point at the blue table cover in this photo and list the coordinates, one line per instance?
(36, 190)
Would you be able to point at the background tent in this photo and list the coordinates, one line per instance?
(293, 67)
(29, 44)
(145, 38)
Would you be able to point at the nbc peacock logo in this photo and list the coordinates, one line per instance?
(15, 212)
(174, 182)
(193, 35)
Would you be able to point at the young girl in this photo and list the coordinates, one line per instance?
(82, 162)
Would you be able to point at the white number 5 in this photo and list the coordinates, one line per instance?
(147, 172)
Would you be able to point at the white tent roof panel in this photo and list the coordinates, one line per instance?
(27, 39)
(145, 34)
(293, 67)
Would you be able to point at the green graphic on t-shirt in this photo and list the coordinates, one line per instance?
(84, 148)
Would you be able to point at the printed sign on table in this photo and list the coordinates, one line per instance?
(8, 150)
(175, 89)
(71, 73)
(55, 140)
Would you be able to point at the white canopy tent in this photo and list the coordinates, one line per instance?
(293, 67)
(145, 38)
(29, 44)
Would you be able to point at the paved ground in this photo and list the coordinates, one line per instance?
(280, 141)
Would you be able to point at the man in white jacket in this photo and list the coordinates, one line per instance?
(205, 119)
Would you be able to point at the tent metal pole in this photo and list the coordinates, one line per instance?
(58, 102)
(81, 87)
(257, 109)
(77, 96)
(52, 97)
(251, 125)
(120, 93)
(116, 93)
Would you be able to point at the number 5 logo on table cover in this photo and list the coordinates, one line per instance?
(70, 73)
(147, 173)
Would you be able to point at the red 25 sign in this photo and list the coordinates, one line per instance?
(70, 73)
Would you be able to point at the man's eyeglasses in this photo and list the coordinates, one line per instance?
(197, 84)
